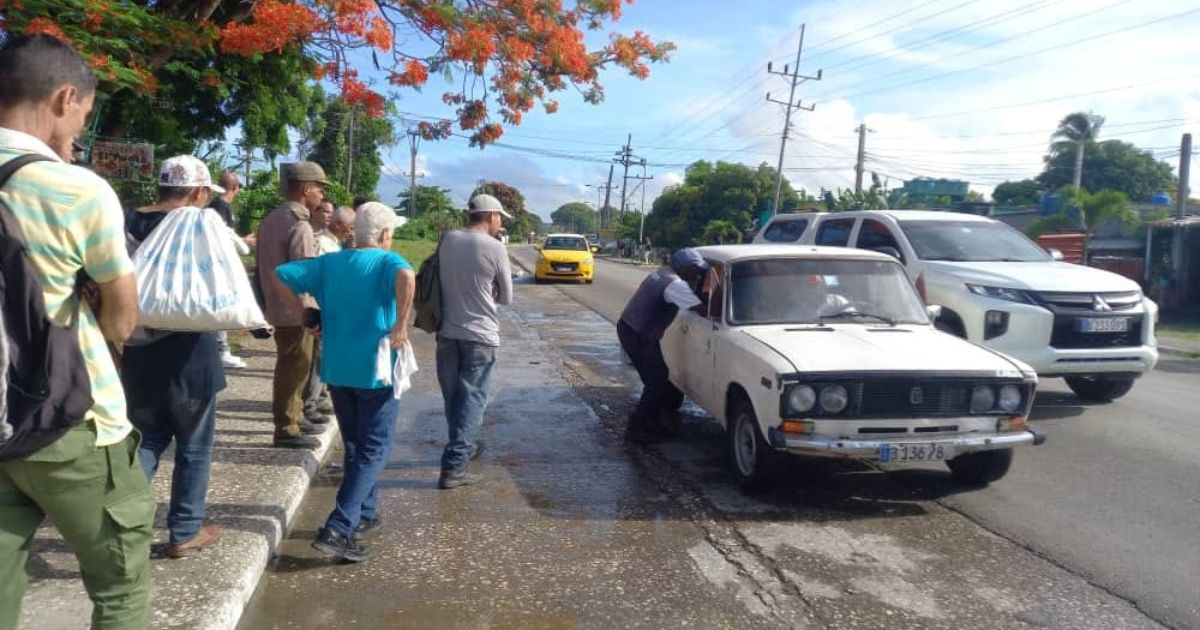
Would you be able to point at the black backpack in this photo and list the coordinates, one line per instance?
(46, 389)
(427, 303)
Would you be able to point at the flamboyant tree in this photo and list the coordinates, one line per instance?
(504, 56)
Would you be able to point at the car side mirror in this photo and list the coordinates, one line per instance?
(1055, 254)
(595, 249)
(934, 311)
(889, 250)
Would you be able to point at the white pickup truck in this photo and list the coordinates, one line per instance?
(997, 288)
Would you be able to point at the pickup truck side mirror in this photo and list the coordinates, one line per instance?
(934, 311)
(1055, 254)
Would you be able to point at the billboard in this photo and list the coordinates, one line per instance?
(123, 160)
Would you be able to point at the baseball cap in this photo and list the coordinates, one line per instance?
(688, 257)
(306, 171)
(486, 203)
(186, 171)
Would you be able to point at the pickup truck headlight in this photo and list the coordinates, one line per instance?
(801, 399)
(1010, 398)
(1000, 293)
(983, 399)
(834, 398)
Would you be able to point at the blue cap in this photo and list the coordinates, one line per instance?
(688, 257)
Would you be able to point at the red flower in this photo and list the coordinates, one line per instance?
(415, 74)
(45, 27)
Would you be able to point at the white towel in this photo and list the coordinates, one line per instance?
(402, 371)
(383, 362)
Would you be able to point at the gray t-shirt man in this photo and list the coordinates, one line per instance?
(475, 276)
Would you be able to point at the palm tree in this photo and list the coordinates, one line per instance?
(1073, 133)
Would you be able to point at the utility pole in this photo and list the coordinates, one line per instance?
(862, 152)
(1179, 252)
(789, 105)
(626, 155)
(607, 195)
(642, 208)
(413, 139)
(350, 149)
(1185, 171)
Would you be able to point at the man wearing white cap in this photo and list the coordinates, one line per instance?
(474, 276)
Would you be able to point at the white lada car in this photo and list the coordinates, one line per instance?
(829, 352)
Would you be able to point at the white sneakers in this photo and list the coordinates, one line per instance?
(231, 362)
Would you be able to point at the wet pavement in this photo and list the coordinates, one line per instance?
(572, 528)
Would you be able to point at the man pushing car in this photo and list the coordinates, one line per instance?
(646, 317)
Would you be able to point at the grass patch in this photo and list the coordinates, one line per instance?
(415, 252)
(1191, 333)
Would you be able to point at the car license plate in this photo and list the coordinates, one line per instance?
(1102, 324)
(563, 268)
(921, 452)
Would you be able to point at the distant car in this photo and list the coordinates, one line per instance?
(996, 287)
(829, 352)
(565, 257)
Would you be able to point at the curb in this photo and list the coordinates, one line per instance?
(1177, 352)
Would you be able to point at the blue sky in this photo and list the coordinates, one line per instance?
(950, 88)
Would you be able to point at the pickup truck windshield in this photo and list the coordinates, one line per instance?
(970, 241)
(802, 291)
(566, 242)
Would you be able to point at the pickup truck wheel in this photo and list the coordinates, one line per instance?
(981, 468)
(750, 457)
(1099, 389)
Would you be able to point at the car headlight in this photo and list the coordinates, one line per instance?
(1000, 293)
(834, 398)
(1010, 398)
(983, 398)
(801, 399)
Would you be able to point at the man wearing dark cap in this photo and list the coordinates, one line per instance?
(286, 235)
(645, 318)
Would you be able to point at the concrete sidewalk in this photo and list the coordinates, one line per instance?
(254, 492)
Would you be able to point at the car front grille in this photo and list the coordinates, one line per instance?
(1069, 307)
(914, 398)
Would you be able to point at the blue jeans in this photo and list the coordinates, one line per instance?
(367, 418)
(191, 423)
(464, 371)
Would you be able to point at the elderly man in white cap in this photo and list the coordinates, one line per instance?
(474, 276)
(355, 318)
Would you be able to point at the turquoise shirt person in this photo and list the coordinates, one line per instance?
(356, 290)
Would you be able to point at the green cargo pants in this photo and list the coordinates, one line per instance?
(101, 503)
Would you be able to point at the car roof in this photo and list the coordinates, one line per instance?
(919, 215)
(565, 235)
(734, 253)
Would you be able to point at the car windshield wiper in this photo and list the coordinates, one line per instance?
(861, 315)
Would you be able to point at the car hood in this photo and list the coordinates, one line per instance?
(1036, 276)
(903, 348)
(565, 255)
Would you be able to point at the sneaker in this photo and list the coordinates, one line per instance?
(479, 447)
(458, 479)
(317, 418)
(308, 427)
(207, 535)
(325, 406)
(296, 441)
(231, 362)
(336, 545)
(366, 526)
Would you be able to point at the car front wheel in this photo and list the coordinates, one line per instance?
(750, 457)
(1098, 388)
(981, 468)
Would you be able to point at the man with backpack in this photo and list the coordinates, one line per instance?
(70, 452)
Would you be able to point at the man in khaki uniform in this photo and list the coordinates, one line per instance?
(283, 236)
(88, 482)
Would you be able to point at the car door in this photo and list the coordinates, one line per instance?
(702, 332)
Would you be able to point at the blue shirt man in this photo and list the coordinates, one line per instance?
(365, 295)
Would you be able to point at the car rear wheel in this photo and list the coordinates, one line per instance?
(750, 457)
(1098, 388)
(981, 468)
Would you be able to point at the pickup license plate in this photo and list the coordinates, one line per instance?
(920, 452)
(1102, 324)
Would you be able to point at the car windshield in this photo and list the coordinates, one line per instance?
(803, 291)
(971, 241)
(570, 243)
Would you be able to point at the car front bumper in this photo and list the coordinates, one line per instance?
(817, 446)
(580, 272)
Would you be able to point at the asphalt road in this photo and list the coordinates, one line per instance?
(1112, 497)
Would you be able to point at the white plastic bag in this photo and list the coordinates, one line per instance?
(398, 375)
(190, 277)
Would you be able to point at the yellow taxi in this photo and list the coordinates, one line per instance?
(565, 257)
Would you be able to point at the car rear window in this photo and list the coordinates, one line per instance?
(788, 231)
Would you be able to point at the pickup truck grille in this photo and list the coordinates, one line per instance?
(1070, 308)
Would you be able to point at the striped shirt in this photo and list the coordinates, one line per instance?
(72, 219)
